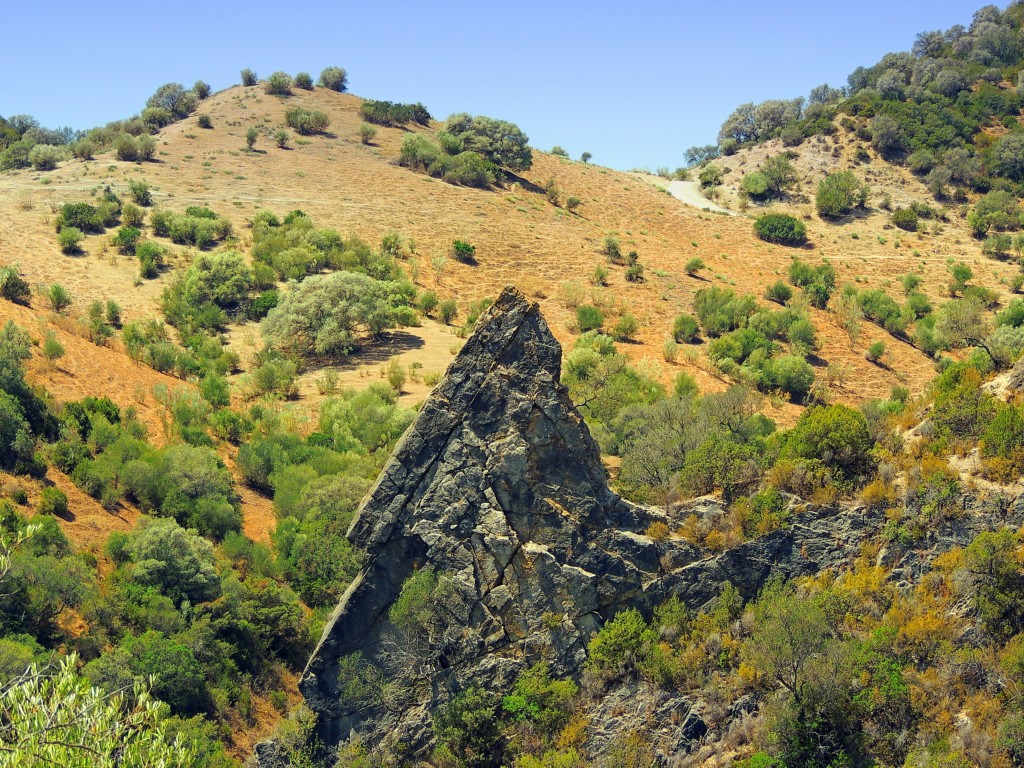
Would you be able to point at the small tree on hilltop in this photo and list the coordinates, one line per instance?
(334, 78)
(585, 157)
(248, 77)
(304, 81)
(250, 137)
(279, 84)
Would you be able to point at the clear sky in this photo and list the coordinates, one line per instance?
(634, 83)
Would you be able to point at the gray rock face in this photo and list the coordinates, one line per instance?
(499, 487)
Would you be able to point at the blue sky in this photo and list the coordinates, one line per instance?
(634, 83)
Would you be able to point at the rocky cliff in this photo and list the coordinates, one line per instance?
(499, 489)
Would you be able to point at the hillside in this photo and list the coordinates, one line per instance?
(521, 238)
(368, 468)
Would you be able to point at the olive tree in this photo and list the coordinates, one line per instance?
(334, 78)
(326, 314)
(174, 98)
(51, 716)
(501, 142)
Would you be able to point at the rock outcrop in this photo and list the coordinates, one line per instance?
(499, 487)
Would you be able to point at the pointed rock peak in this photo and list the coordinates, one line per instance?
(499, 489)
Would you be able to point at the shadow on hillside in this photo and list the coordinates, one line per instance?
(378, 351)
(526, 184)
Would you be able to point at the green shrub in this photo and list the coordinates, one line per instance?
(248, 77)
(875, 352)
(126, 239)
(201, 90)
(140, 192)
(389, 113)
(497, 141)
(694, 266)
(334, 78)
(175, 99)
(685, 329)
(70, 239)
(778, 292)
(367, 133)
(58, 297)
(303, 81)
(278, 84)
(53, 501)
(839, 193)
(204, 121)
(151, 258)
(447, 311)
(620, 645)
(464, 252)
(81, 216)
(126, 148)
(83, 149)
(327, 314)
(612, 249)
(589, 318)
(905, 219)
(44, 157)
(780, 228)
(307, 122)
(635, 273)
(132, 215)
(13, 287)
(626, 327)
(755, 184)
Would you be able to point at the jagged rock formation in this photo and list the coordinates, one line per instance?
(499, 486)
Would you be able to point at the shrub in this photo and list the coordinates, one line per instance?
(13, 287)
(447, 310)
(83, 149)
(58, 297)
(278, 84)
(201, 90)
(140, 192)
(204, 121)
(498, 141)
(572, 203)
(53, 350)
(612, 249)
(334, 78)
(248, 77)
(250, 137)
(307, 122)
(905, 219)
(53, 501)
(44, 157)
(619, 647)
(81, 216)
(694, 265)
(463, 251)
(126, 239)
(175, 99)
(366, 133)
(875, 352)
(626, 327)
(151, 258)
(685, 329)
(635, 273)
(839, 193)
(780, 228)
(589, 318)
(326, 314)
(70, 239)
(303, 81)
(126, 148)
(778, 292)
(390, 113)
